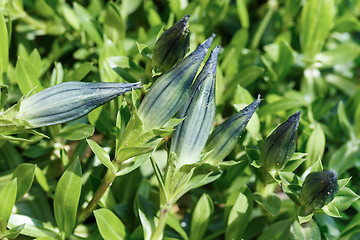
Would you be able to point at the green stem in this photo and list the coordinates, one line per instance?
(105, 184)
(159, 230)
(262, 27)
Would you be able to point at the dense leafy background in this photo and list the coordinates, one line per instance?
(299, 55)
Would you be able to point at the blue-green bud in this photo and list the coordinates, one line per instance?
(192, 133)
(279, 147)
(172, 45)
(172, 89)
(319, 188)
(224, 138)
(68, 101)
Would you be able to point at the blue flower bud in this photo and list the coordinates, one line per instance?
(172, 45)
(224, 138)
(68, 101)
(192, 133)
(279, 147)
(172, 89)
(319, 188)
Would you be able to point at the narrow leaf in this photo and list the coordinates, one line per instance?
(101, 154)
(24, 174)
(4, 49)
(110, 226)
(66, 198)
(201, 217)
(7, 199)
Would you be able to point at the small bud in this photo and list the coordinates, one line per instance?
(319, 188)
(192, 133)
(172, 45)
(172, 89)
(68, 101)
(279, 147)
(223, 139)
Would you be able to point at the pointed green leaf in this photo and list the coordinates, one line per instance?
(146, 214)
(13, 232)
(315, 146)
(77, 131)
(7, 199)
(33, 227)
(174, 223)
(278, 230)
(201, 217)
(101, 154)
(270, 203)
(4, 49)
(24, 174)
(344, 199)
(66, 198)
(110, 226)
(27, 76)
(239, 215)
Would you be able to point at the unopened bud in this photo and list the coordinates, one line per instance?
(68, 101)
(192, 133)
(279, 147)
(224, 138)
(172, 45)
(172, 89)
(319, 189)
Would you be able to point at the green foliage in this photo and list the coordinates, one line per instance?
(111, 175)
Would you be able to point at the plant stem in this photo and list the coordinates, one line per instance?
(105, 184)
(159, 230)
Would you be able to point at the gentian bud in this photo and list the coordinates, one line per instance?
(223, 139)
(172, 89)
(68, 101)
(192, 133)
(319, 188)
(279, 147)
(172, 45)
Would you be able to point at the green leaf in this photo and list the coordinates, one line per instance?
(315, 146)
(343, 182)
(285, 59)
(101, 154)
(66, 198)
(24, 175)
(114, 26)
(27, 76)
(278, 230)
(174, 223)
(79, 72)
(305, 231)
(239, 215)
(7, 199)
(77, 131)
(243, 13)
(343, 53)
(357, 121)
(88, 24)
(4, 49)
(110, 226)
(315, 24)
(283, 104)
(331, 210)
(201, 217)
(345, 157)
(13, 232)
(146, 214)
(304, 215)
(41, 179)
(271, 203)
(33, 227)
(344, 199)
(247, 76)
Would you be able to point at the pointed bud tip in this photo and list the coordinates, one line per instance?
(207, 43)
(295, 118)
(183, 24)
(211, 63)
(250, 109)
